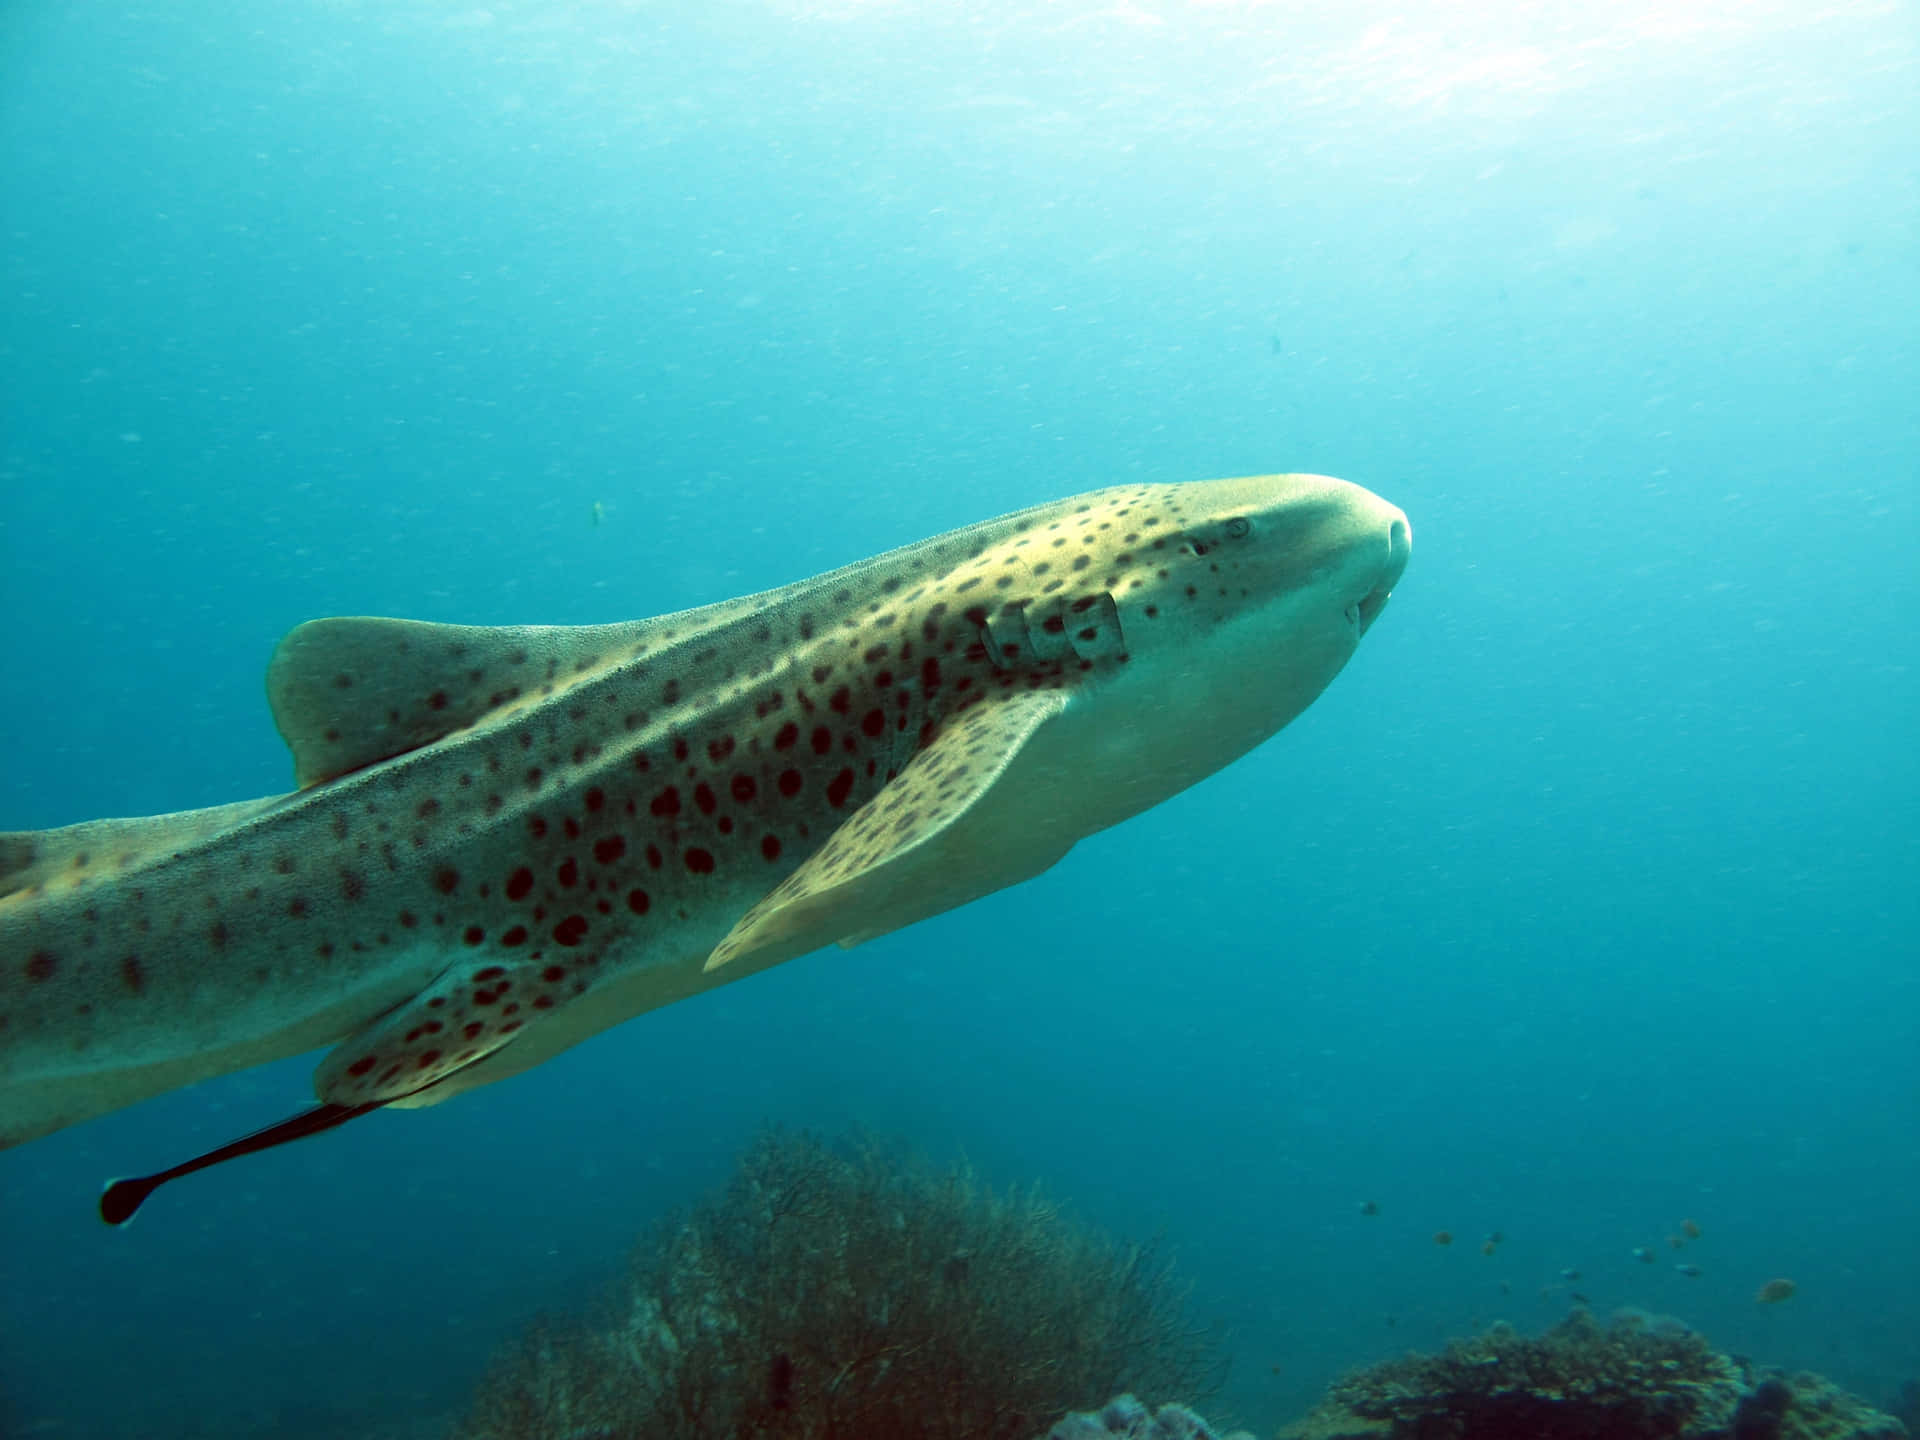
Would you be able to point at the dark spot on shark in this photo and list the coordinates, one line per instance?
(839, 788)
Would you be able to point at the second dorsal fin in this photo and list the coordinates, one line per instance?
(350, 692)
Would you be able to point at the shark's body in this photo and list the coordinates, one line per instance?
(509, 839)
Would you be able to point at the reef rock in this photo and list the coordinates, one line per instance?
(1637, 1378)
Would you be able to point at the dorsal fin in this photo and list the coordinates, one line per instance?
(350, 692)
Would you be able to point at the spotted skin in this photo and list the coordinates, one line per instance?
(509, 839)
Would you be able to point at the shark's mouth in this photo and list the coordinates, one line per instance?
(1365, 612)
(1399, 547)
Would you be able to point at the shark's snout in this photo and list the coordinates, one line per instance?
(1398, 549)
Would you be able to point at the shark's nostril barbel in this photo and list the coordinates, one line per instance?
(1399, 551)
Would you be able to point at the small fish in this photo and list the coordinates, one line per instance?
(1676, 1242)
(1443, 1237)
(1569, 1275)
(1643, 1254)
(1690, 1228)
(1774, 1291)
(1489, 1247)
(1369, 1207)
(599, 513)
(1686, 1269)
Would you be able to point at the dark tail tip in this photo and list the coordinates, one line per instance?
(122, 1197)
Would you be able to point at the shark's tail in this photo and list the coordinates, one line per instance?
(32, 860)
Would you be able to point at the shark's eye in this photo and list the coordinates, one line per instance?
(1238, 528)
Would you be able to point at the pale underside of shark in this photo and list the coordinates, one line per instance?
(508, 839)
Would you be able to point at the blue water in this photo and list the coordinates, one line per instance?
(1583, 903)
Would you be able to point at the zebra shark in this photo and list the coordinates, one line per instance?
(507, 839)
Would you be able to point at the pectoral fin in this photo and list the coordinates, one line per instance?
(871, 876)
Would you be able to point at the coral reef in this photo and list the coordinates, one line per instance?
(853, 1292)
(1905, 1406)
(1805, 1406)
(1634, 1379)
(1127, 1419)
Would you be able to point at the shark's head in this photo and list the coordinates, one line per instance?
(1239, 601)
(1308, 554)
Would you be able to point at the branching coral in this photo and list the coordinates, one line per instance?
(856, 1293)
